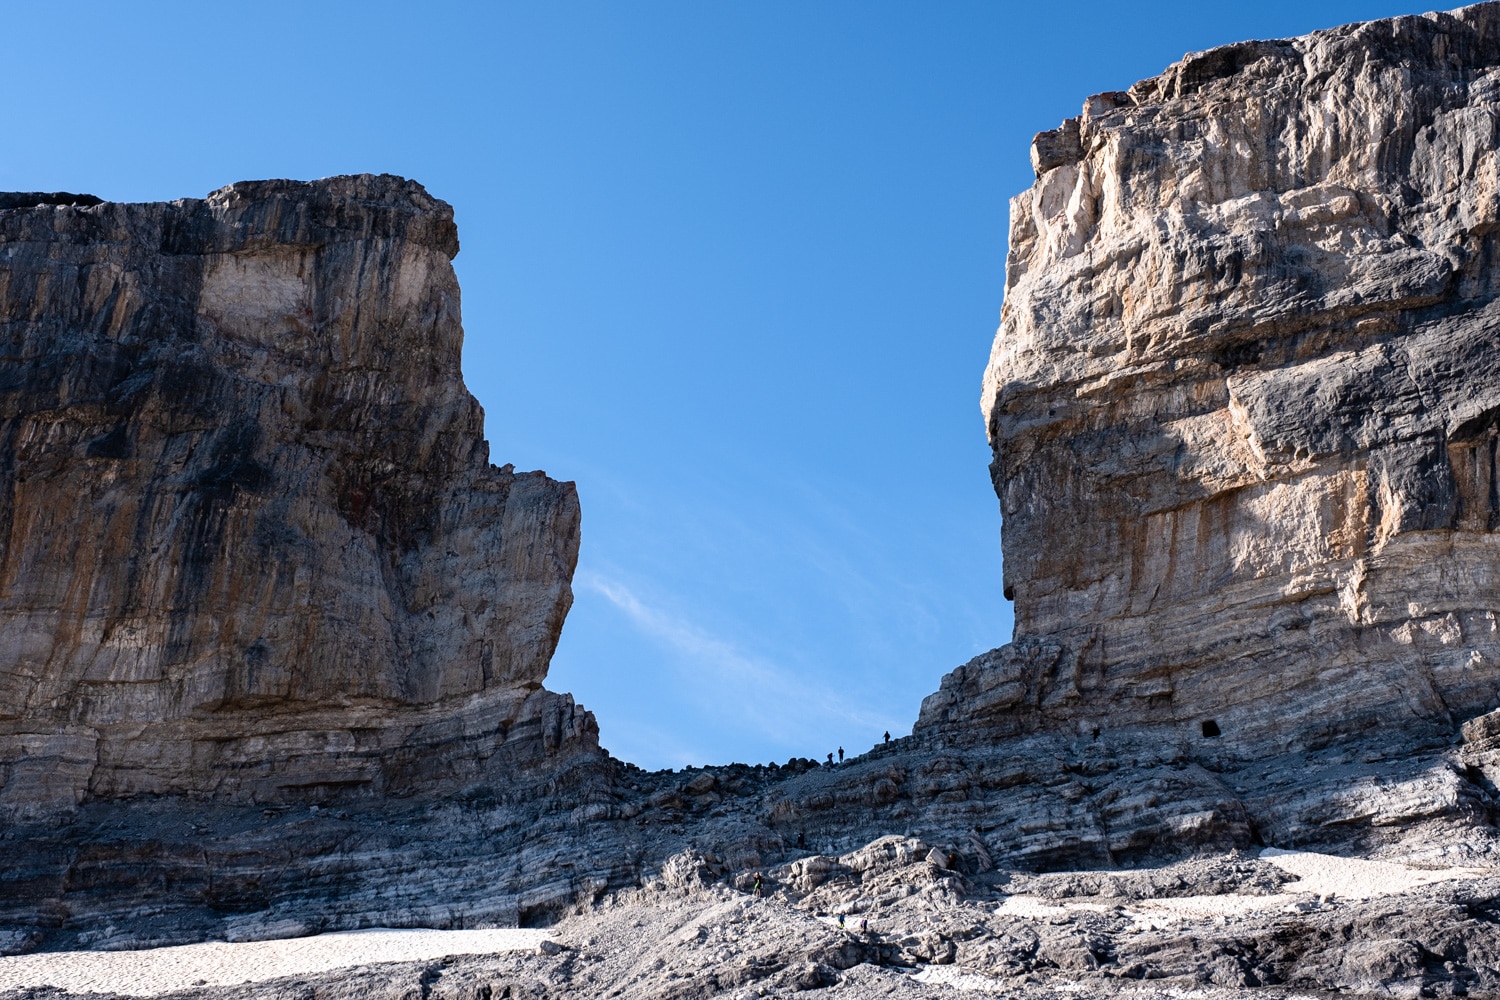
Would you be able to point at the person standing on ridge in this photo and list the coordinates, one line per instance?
(887, 735)
(841, 755)
(830, 760)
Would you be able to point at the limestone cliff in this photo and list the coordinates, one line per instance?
(1245, 398)
(251, 543)
(1244, 409)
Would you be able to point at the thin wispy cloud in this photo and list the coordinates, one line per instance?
(740, 686)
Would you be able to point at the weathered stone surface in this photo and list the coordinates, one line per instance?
(1243, 410)
(251, 544)
(1244, 402)
(1217, 927)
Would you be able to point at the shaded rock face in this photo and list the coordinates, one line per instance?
(1244, 401)
(251, 544)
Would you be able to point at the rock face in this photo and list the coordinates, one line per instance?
(1245, 410)
(251, 544)
(1244, 402)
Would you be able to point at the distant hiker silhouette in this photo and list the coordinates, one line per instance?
(887, 735)
(841, 921)
(841, 755)
(756, 890)
(830, 758)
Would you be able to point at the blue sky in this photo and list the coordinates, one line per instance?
(734, 268)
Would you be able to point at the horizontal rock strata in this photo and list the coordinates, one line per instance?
(1244, 401)
(1244, 419)
(251, 545)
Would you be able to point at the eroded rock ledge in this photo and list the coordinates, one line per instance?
(251, 544)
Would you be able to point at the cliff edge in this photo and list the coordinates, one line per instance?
(1244, 401)
(251, 544)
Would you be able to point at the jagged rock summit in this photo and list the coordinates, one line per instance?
(251, 545)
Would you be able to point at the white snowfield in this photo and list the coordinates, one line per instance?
(1322, 875)
(154, 971)
(1325, 876)
(1355, 878)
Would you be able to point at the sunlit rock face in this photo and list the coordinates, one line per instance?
(251, 544)
(1245, 397)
